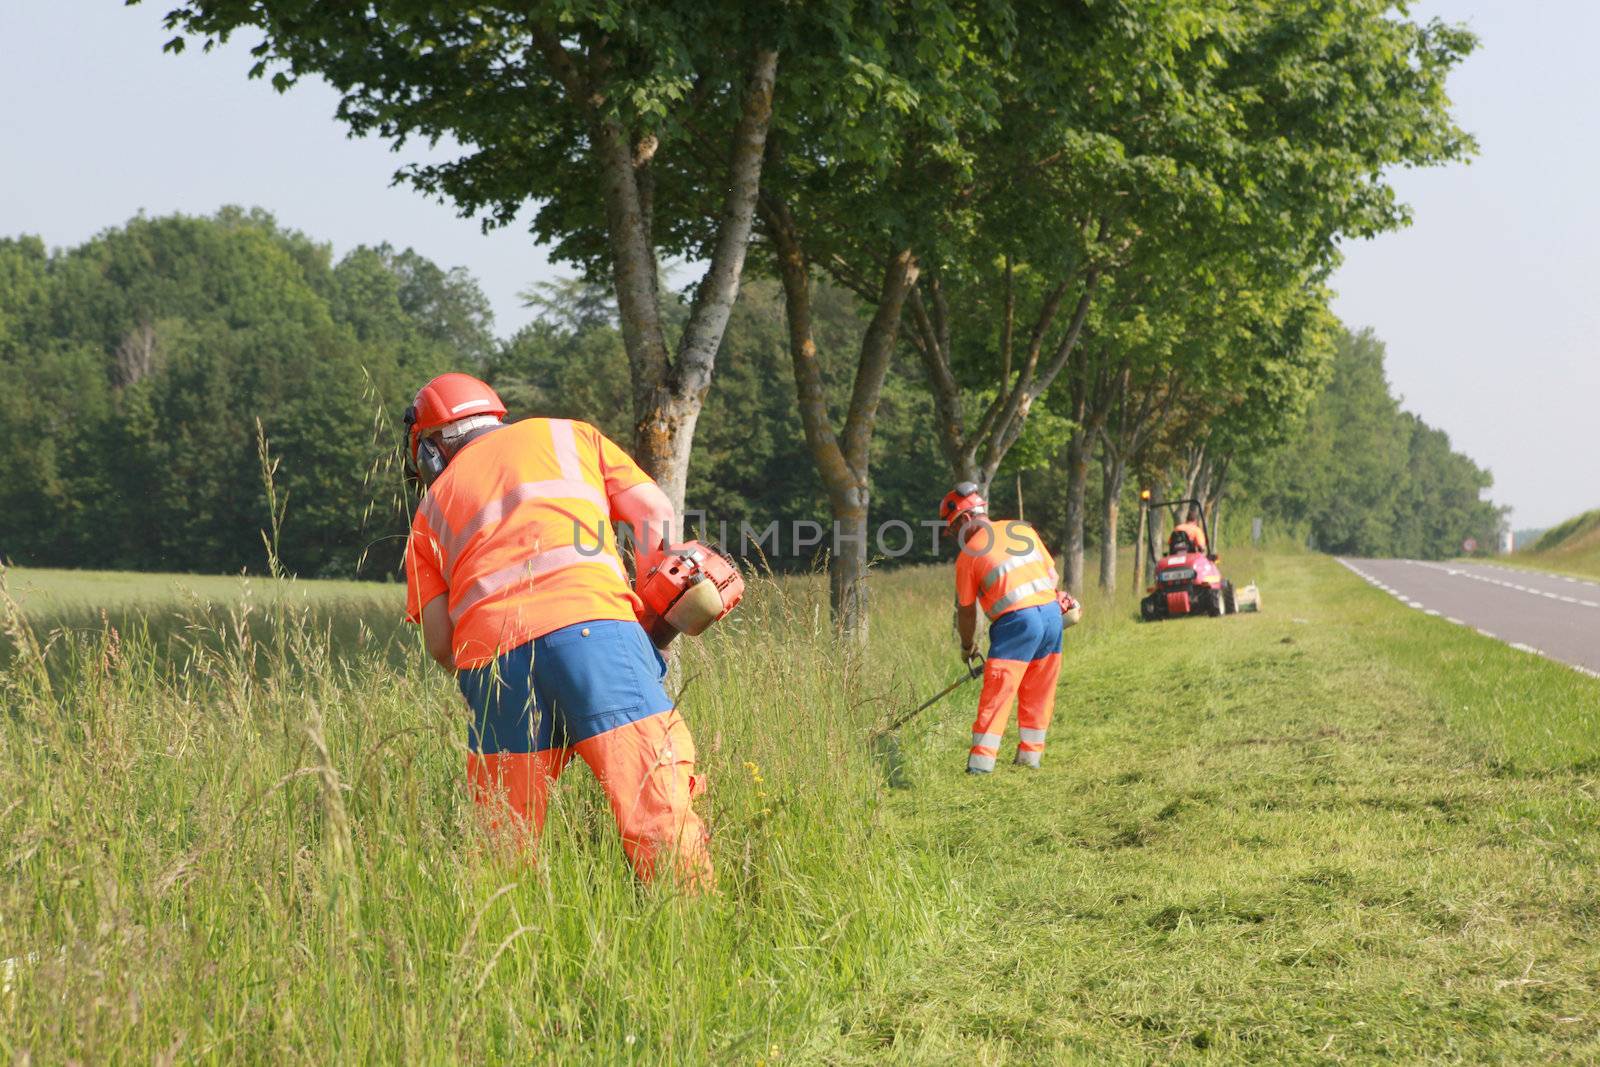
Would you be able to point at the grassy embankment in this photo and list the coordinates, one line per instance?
(1573, 547)
(1335, 830)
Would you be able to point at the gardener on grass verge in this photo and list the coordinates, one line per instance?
(519, 591)
(1005, 567)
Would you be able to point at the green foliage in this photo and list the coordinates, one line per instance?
(1364, 477)
(750, 464)
(141, 360)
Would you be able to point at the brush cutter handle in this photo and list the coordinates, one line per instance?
(975, 663)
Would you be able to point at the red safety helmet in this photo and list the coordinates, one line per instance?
(963, 500)
(448, 398)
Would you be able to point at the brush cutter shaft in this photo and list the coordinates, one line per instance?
(974, 670)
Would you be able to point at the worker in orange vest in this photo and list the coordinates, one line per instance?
(1004, 568)
(520, 592)
(1189, 531)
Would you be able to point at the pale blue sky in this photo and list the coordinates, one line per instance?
(1489, 303)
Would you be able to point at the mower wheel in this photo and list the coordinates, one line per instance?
(1149, 609)
(1230, 606)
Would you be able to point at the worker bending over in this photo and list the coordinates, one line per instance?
(1004, 567)
(520, 591)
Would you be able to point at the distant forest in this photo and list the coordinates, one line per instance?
(136, 369)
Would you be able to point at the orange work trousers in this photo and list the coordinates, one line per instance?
(646, 768)
(1023, 666)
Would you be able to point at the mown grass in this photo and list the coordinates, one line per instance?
(1337, 830)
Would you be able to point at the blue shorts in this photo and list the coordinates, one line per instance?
(1026, 634)
(565, 687)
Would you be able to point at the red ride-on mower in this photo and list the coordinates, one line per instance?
(1187, 581)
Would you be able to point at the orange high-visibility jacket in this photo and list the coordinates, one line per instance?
(1005, 567)
(1197, 536)
(515, 532)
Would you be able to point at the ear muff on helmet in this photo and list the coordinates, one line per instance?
(430, 460)
(425, 460)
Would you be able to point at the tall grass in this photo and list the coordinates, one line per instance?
(237, 832)
(243, 836)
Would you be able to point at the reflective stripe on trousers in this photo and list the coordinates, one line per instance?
(1032, 686)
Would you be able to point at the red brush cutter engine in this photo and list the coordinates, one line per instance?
(692, 587)
(1071, 610)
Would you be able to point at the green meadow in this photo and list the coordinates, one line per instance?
(233, 829)
(1571, 547)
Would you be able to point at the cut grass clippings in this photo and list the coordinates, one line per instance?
(1338, 830)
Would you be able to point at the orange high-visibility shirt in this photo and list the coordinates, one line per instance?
(1197, 536)
(515, 531)
(1005, 567)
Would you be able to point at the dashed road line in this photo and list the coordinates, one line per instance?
(1378, 583)
(1457, 572)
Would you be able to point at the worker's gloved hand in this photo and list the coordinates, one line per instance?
(973, 659)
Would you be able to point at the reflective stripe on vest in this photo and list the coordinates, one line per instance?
(434, 515)
(531, 570)
(566, 448)
(1023, 590)
(1000, 570)
(555, 488)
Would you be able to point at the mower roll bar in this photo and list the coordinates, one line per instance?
(1211, 534)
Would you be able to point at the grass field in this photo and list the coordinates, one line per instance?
(1573, 547)
(1335, 831)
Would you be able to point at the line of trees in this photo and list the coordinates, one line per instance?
(1097, 202)
(1112, 219)
(135, 366)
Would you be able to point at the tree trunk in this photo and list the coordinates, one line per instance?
(848, 596)
(1111, 480)
(1140, 548)
(668, 393)
(976, 452)
(1077, 489)
(844, 460)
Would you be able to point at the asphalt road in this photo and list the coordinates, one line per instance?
(1546, 614)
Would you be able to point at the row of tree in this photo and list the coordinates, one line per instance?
(1122, 213)
(1128, 207)
(137, 365)
(137, 370)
